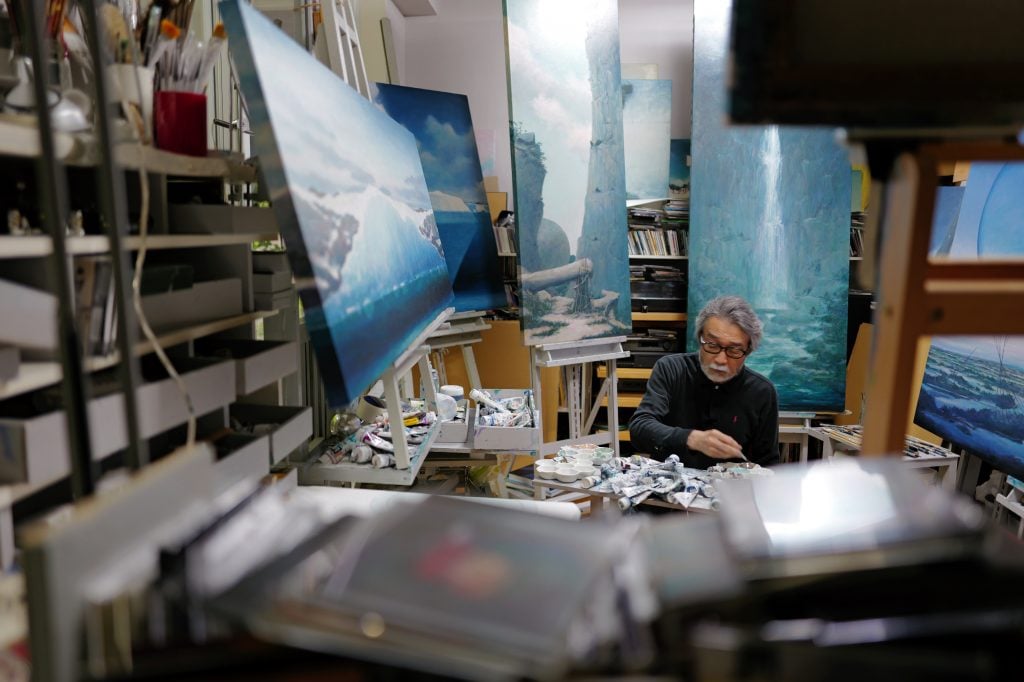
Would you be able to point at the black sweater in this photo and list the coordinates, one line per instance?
(680, 398)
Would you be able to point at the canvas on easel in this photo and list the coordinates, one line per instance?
(443, 128)
(770, 221)
(348, 192)
(565, 105)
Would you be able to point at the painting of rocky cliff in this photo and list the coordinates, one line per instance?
(565, 105)
(349, 196)
(973, 388)
(770, 221)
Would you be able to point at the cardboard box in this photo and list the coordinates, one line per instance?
(203, 302)
(293, 426)
(257, 363)
(36, 315)
(518, 439)
(271, 282)
(221, 219)
(270, 261)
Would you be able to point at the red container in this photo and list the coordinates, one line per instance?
(179, 122)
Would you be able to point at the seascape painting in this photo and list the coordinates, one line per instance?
(646, 129)
(348, 193)
(443, 128)
(770, 221)
(678, 170)
(973, 388)
(565, 108)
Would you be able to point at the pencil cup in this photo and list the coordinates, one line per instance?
(132, 84)
(179, 122)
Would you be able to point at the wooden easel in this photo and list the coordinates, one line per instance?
(575, 358)
(922, 296)
(397, 381)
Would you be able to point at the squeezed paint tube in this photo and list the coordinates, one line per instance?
(382, 461)
(361, 454)
(378, 442)
(683, 499)
(707, 490)
(589, 482)
(485, 399)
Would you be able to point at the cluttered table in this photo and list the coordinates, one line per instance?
(578, 472)
(917, 453)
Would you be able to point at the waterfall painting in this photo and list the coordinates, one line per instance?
(443, 128)
(973, 388)
(770, 221)
(646, 129)
(565, 105)
(678, 170)
(348, 193)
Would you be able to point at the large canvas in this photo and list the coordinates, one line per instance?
(565, 105)
(678, 170)
(770, 221)
(443, 128)
(973, 388)
(348, 193)
(647, 131)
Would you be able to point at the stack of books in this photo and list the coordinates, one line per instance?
(653, 233)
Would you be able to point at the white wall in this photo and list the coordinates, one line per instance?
(462, 49)
(661, 32)
(370, 12)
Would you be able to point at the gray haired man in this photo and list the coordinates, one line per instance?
(707, 406)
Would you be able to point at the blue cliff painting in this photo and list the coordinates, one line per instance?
(565, 105)
(770, 221)
(443, 128)
(647, 131)
(348, 193)
(679, 170)
(973, 388)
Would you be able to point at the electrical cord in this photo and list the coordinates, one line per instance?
(138, 123)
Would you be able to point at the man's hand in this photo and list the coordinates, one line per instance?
(714, 443)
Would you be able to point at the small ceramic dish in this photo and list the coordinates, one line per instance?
(566, 474)
(545, 469)
(583, 471)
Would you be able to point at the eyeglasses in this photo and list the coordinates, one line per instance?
(712, 348)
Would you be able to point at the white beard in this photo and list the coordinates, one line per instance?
(717, 377)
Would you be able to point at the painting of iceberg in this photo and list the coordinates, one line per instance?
(443, 128)
(565, 105)
(348, 193)
(973, 388)
(770, 221)
(646, 130)
(678, 170)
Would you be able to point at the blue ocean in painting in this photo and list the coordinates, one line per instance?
(348, 192)
(565, 104)
(646, 126)
(443, 128)
(770, 221)
(678, 170)
(973, 388)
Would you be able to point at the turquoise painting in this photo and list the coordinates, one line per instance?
(443, 128)
(770, 221)
(678, 170)
(349, 196)
(973, 388)
(565, 108)
(646, 129)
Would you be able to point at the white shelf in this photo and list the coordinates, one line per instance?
(507, 254)
(316, 473)
(31, 376)
(19, 137)
(636, 256)
(34, 246)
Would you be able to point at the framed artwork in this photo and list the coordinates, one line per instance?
(973, 388)
(770, 221)
(647, 132)
(349, 196)
(678, 170)
(565, 105)
(443, 128)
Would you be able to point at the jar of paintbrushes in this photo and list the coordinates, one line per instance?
(183, 65)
